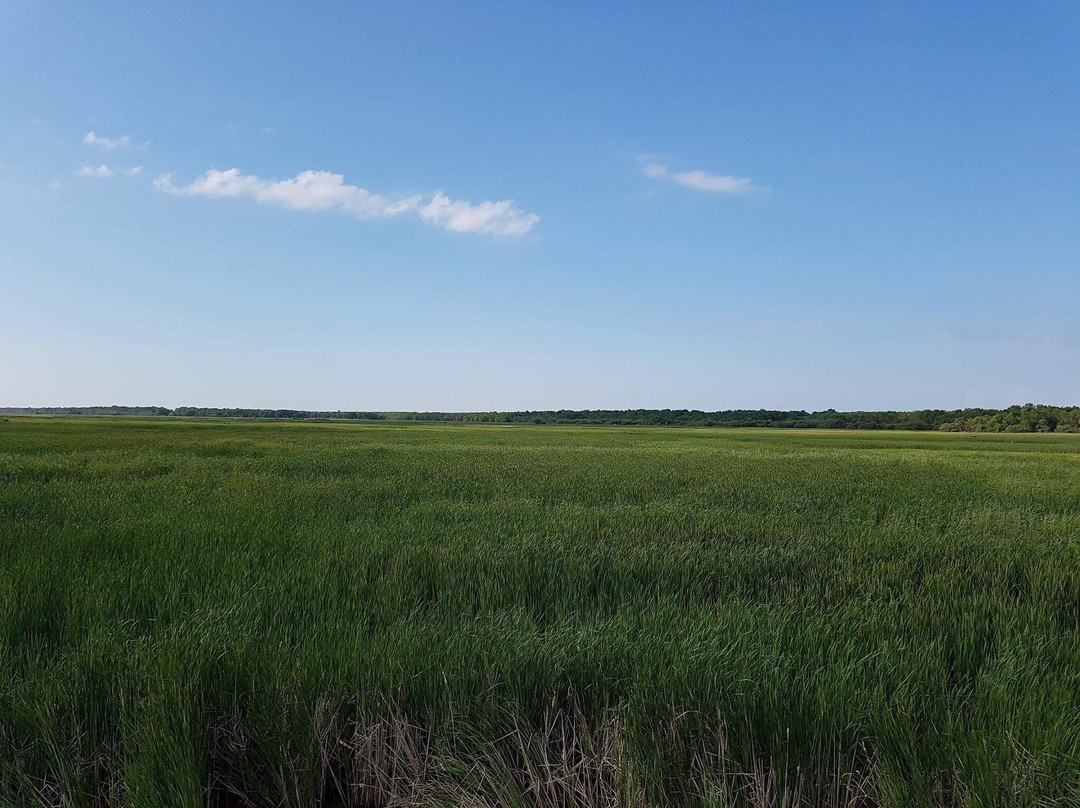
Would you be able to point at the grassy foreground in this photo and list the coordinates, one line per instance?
(277, 614)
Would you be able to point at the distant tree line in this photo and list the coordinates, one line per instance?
(1018, 418)
(114, 410)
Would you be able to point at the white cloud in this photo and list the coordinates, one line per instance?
(498, 218)
(102, 171)
(107, 143)
(700, 180)
(322, 190)
(95, 171)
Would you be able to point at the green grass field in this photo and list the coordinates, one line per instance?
(238, 613)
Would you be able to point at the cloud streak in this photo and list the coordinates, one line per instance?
(323, 191)
(700, 180)
(103, 171)
(106, 143)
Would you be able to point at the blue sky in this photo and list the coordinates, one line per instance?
(524, 206)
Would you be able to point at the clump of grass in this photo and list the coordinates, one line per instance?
(276, 614)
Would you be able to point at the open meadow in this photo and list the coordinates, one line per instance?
(262, 613)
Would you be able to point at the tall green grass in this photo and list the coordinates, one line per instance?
(278, 614)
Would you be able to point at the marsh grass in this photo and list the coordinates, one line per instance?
(268, 614)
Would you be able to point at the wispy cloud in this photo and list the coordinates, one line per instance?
(699, 180)
(106, 143)
(102, 171)
(323, 190)
(497, 218)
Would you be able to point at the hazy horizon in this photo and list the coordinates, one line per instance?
(395, 410)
